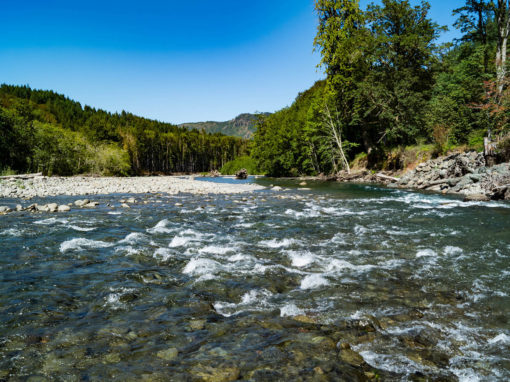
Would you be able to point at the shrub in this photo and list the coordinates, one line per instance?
(230, 168)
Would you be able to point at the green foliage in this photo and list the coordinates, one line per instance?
(389, 86)
(230, 168)
(7, 171)
(45, 131)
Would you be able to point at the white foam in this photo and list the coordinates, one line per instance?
(114, 213)
(301, 259)
(313, 281)
(274, 243)
(426, 253)
(179, 241)
(239, 257)
(216, 250)
(450, 250)
(82, 229)
(51, 221)
(11, 232)
(133, 238)
(81, 243)
(290, 310)
(200, 267)
(500, 339)
(163, 253)
(161, 227)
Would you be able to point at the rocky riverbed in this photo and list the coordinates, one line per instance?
(43, 186)
(457, 174)
(461, 173)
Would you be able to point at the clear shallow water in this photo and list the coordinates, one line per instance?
(264, 286)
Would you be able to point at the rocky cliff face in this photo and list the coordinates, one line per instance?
(241, 126)
(461, 173)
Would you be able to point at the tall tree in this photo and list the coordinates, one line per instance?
(502, 12)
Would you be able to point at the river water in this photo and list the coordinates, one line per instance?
(263, 286)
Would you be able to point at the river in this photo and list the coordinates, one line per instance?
(330, 282)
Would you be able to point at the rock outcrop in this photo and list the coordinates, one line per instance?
(242, 174)
(461, 173)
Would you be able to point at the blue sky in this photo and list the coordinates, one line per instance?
(176, 61)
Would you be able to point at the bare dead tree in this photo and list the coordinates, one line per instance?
(336, 134)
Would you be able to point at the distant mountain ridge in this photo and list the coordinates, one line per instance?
(241, 126)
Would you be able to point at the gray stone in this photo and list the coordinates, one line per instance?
(476, 198)
(81, 203)
(4, 209)
(52, 207)
(91, 205)
(64, 208)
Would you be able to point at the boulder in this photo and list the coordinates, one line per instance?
(91, 205)
(64, 208)
(4, 209)
(81, 203)
(242, 174)
(476, 198)
(52, 207)
(19, 207)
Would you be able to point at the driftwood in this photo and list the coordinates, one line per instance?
(382, 176)
(21, 176)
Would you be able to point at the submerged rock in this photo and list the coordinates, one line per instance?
(168, 354)
(351, 357)
(220, 374)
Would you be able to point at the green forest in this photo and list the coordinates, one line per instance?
(42, 131)
(391, 86)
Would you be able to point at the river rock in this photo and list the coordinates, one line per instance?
(124, 205)
(131, 200)
(19, 207)
(168, 354)
(219, 374)
(52, 207)
(351, 357)
(476, 198)
(4, 209)
(91, 205)
(81, 203)
(242, 174)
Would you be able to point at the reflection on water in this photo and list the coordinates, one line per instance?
(341, 281)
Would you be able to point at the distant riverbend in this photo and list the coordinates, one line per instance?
(323, 281)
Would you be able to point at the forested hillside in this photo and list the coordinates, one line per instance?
(241, 126)
(390, 85)
(45, 131)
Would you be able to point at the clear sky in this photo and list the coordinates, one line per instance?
(176, 61)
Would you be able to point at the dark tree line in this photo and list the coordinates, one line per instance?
(46, 131)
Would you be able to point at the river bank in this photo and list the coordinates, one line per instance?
(42, 186)
(463, 174)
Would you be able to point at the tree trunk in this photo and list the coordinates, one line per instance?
(338, 139)
(503, 20)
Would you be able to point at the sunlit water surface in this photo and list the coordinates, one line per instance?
(267, 286)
